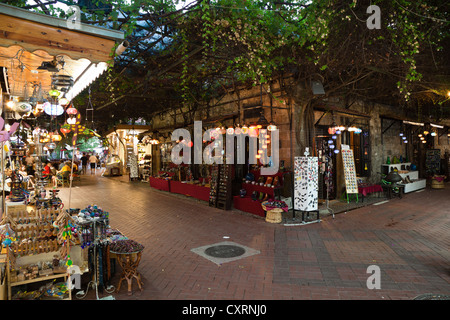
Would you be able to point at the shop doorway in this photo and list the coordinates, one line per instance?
(325, 146)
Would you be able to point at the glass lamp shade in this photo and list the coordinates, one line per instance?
(54, 93)
(253, 131)
(64, 101)
(65, 130)
(71, 120)
(53, 109)
(56, 137)
(71, 110)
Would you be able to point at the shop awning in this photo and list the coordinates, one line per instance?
(33, 44)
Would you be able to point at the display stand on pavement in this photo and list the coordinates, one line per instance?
(306, 175)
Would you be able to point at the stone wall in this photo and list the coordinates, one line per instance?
(234, 107)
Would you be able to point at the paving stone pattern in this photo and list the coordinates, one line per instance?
(407, 238)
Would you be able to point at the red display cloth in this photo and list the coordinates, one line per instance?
(366, 189)
(188, 189)
(285, 209)
(246, 204)
(160, 184)
(255, 187)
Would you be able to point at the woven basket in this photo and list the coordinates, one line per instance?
(274, 216)
(437, 184)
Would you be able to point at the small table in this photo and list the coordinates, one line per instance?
(366, 189)
(129, 261)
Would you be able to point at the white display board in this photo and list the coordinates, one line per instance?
(349, 171)
(134, 169)
(306, 188)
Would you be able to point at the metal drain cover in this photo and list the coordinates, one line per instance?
(225, 251)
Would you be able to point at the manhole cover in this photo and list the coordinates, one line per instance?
(225, 251)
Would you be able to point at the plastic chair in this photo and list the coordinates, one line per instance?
(63, 179)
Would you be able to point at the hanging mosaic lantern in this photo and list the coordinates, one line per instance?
(71, 110)
(54, 93)
(56, 137)
(53, 109)
(64, 101)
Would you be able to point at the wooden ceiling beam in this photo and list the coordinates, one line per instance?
(33, 36)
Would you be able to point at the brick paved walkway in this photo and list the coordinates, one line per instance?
(407, 238)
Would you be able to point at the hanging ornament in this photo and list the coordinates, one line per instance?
(23, 107)
(69, 261)
(8, 240)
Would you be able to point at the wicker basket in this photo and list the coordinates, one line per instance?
(274, 216)
(435, 184)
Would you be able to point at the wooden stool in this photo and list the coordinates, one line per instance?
(129, 263)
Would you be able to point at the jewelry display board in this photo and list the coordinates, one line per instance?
(348, 161)
(306, 188)
(224, 195)
(214, 185)
(433, 162)
(134, 170)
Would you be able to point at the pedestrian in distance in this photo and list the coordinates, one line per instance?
(93, 162)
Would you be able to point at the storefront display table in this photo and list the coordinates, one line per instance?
(247, 204)
(366, 189)
(159, 183)
(129, 263)
(189, 189)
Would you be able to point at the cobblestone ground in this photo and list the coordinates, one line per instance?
(408, 239)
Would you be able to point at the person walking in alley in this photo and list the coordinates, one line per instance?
(93, 162)
(84, 161)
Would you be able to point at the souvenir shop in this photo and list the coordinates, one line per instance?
(128, 153)
(224, 186)
(48, 248)
(333, 130)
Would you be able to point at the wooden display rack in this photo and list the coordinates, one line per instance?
(36, 226)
